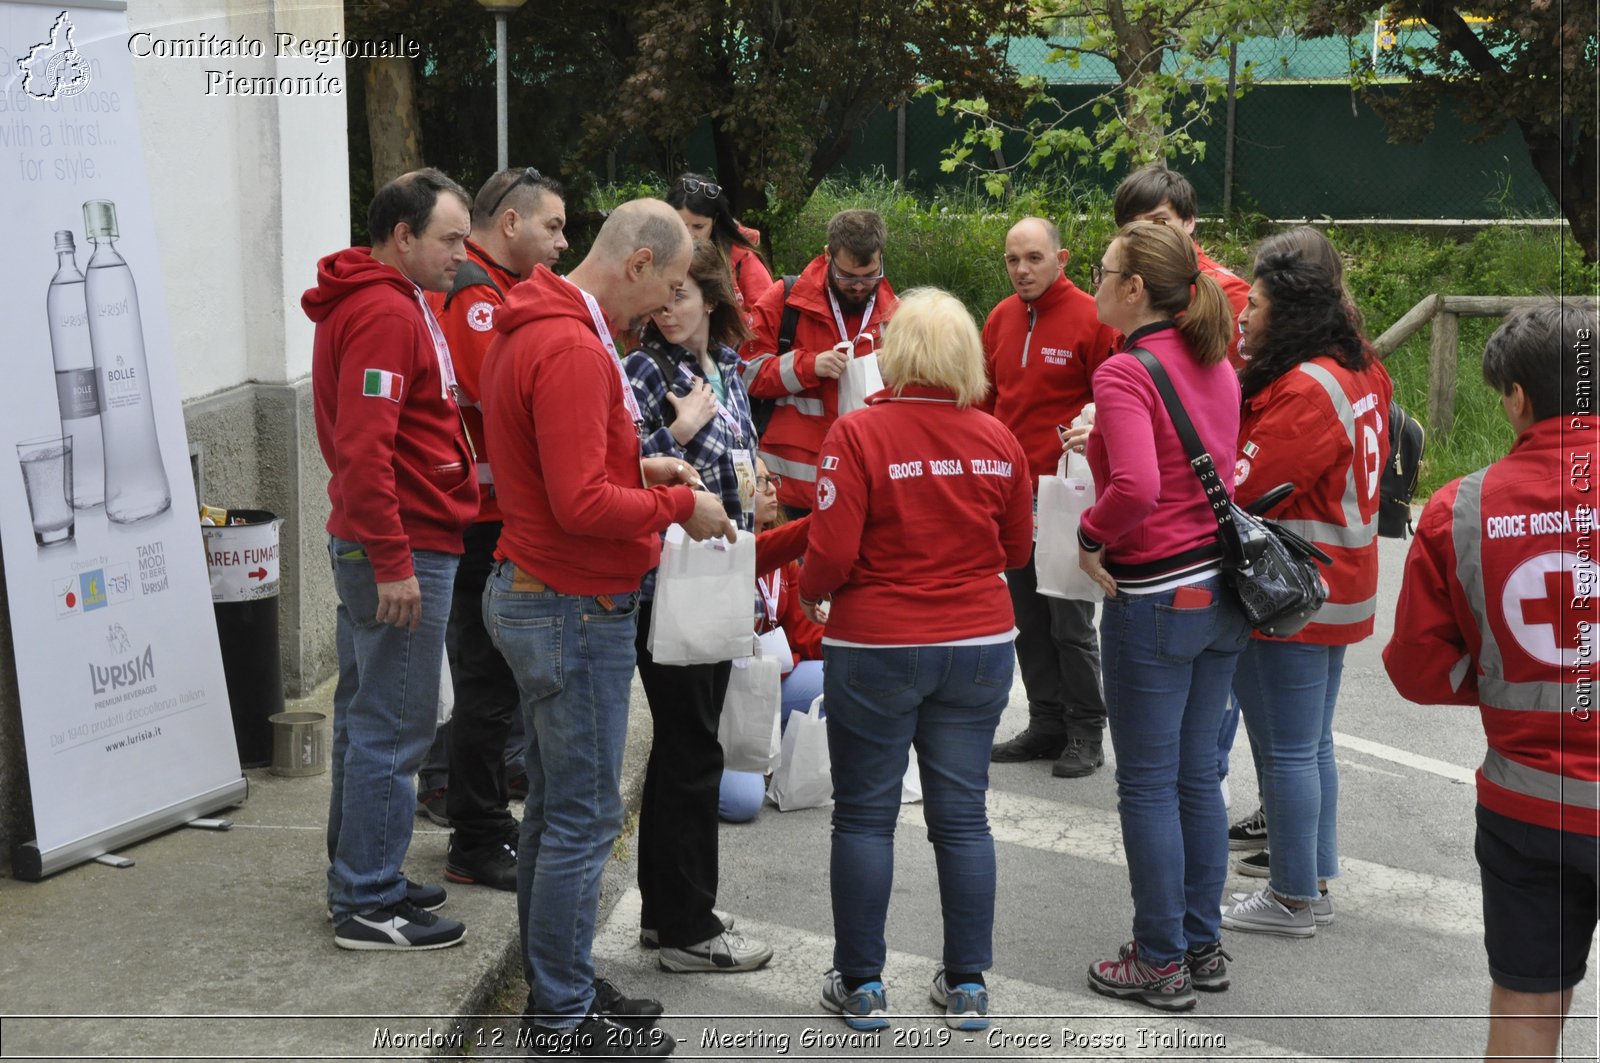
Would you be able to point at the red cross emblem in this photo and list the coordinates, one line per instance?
(1537, 604)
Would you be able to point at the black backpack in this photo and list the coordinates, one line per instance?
(1399, 482)
(761, 409)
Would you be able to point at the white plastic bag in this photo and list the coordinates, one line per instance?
(749, 727)
(804, 776)
(702, 612)
(861, 378)
(1063, 498)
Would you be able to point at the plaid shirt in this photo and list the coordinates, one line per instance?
(711, 449)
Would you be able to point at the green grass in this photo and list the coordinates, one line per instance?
(955, 240)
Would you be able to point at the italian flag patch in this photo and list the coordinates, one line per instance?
(1250, 449)
(382, 384)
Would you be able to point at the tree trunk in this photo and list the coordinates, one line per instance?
(392, 123)
(1571, 177)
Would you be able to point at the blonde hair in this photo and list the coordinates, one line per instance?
(933, 341)
(1164, 256)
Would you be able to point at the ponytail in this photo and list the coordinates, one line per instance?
(1164, 256)
(1208, 323)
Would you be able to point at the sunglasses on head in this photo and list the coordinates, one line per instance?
(529, 175)
(692, 185)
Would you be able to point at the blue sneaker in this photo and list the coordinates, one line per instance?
(966, 1006)
(866, 1008)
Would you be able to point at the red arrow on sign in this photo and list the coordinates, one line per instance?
(258, 575)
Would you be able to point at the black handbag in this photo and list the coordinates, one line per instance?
(1272, 570)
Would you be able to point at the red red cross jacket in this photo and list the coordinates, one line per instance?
(920, 506)
(1040, 356)
(402, 476)
(1499, 608)
(807, 404)
(576, 513)
(467, 318)
(1321, 427)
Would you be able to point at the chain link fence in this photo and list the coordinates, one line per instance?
(1303, 143)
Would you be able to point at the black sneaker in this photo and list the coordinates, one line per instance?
(427, 897)
(400, 926)
(1081, 757)
(1028, 745)
(1256, 865)
(430, 803)
(1249, 833)
(611, 1002)
(596, 1035)
(495, 867)
(1208, 967)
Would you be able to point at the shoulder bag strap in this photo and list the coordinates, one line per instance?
(1199, 459)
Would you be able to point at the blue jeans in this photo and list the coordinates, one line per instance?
(384, 709)
(945, 700)
(800, 688)
(1167, 672)
(573, 659)
(1288, 690)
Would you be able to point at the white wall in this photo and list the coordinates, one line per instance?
(248, 191)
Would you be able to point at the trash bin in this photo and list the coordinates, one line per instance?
(243, 558)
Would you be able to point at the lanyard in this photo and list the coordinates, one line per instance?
(441, 351)
(604, 332)
(838, 316)
(771, 587)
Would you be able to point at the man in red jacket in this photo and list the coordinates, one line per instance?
(1156, 193)
(1041, 346)
(843, 299)
(517, 222)
(583, 522)
(402, 489)
(1499, 609)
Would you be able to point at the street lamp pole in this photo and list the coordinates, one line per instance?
(500, 9)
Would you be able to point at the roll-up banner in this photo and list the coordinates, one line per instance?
(124, 707)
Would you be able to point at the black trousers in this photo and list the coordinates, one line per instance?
(486, 700)
(1059, 655)
(678, 812)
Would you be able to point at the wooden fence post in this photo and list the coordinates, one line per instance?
(1442, 373)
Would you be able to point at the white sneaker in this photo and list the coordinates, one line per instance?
(1262, 913)
(729, 951)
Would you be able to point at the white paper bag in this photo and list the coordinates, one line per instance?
(702, 611)
(748, 729)
(447, 690)
(911, 786)
(861, 379)
(775, 644)
(804, 776)
(1063, 498)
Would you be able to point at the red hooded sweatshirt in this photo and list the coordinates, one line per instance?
(402, 473)
(566, 452)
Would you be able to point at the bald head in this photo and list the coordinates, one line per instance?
(1034, 257)
(643, 224)
(1042, 228)
(639, 259)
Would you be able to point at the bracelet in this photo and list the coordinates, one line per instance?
(1088, 544)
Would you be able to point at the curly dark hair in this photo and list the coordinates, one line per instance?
(1306, 317)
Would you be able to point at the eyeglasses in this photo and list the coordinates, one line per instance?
(530, 176)
(773, 481)
(1097, 273)
(692, 185)
(853, 280)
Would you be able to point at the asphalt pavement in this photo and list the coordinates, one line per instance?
(214, 945)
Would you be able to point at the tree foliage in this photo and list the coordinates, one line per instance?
(787, 84)
(1529, 63)
(1170, 57)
